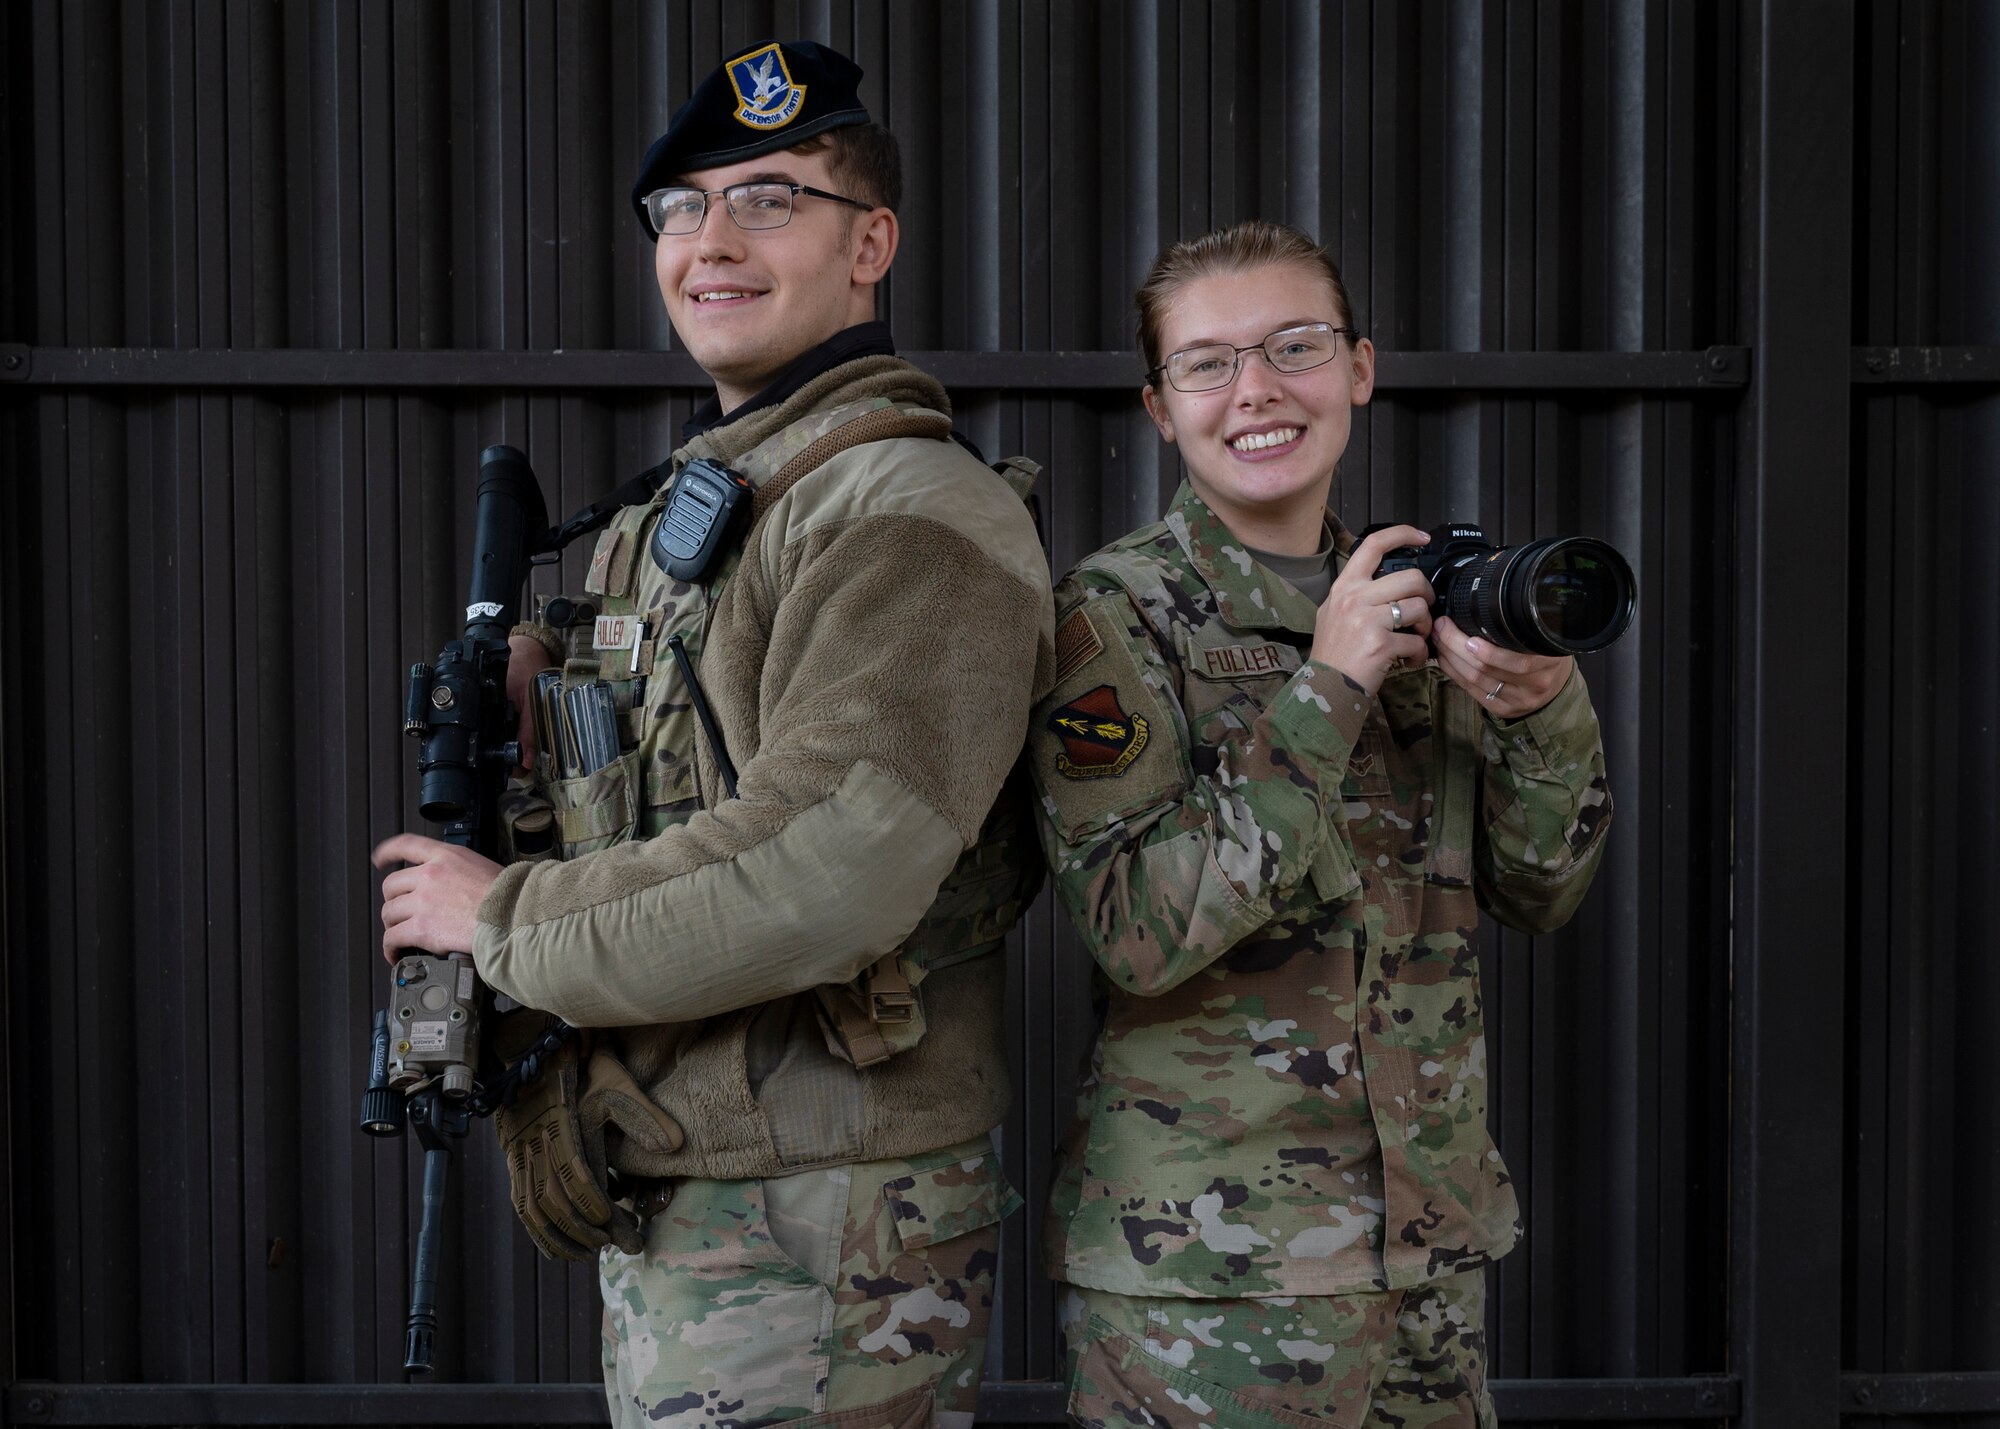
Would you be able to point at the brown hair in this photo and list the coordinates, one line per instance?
(1251, 244)
(865, 159)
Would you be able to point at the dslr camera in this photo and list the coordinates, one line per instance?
(1560, 595)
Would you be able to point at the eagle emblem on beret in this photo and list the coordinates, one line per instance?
(1099, 739)
(766, 97)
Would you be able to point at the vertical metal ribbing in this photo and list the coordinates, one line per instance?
(919, 282)
(1973, 60)
(1911, 621)
(1148, 64)
(1307, 191)
(260, 603)
(85, 735)
(1791, 806)
(1349, 212)
(983, 171)
(1921, 756)
(1901, 1020)
(1612, 502)
(1389, 58)
(213, 892)
(18, 453)
(1508, 987)
(160, 1005)
(593, 208)
(1874, 1184)
(990, 318)
(1187, 103)
(1467, 271)
(1658, 899)
(37, 1193)
(1552, 1201)
(360, 1194)
(215, 895)
(658, 72)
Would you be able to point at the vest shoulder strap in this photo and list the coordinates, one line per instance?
(877, 426)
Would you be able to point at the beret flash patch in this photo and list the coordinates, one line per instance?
(1099, 739)
(766, 96)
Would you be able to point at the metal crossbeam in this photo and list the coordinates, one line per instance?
(1571, 1401)
(402, 368)
(1899, 1396)
(1927, 366)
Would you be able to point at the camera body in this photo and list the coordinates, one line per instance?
(1559, 595)
(1452, 544)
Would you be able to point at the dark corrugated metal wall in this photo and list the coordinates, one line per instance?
(213, 584)
(1923, 1218)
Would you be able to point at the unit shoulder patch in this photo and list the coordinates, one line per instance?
(1105, 744)
(1100, 740)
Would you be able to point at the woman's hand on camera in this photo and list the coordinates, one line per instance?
(1507, 683)
(1357, 632)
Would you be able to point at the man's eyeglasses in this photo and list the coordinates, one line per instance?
(1215, 364)
(754, 206)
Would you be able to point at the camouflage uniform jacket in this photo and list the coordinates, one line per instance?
(1280, 878)
(871, 655)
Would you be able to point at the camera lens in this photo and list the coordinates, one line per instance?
(1563, 595)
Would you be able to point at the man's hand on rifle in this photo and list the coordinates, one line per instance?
(433, 903)
(526, 658)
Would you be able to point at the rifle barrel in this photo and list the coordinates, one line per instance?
(422, 1329)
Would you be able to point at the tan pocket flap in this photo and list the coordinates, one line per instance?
(597, 810)
(949, 1201)
(1116, 1371)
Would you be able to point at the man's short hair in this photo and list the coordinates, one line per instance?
(865, 160)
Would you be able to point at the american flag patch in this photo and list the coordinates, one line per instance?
(1077, 644)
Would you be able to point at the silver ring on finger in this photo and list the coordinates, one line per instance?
(1497, 688)
(1395, 615)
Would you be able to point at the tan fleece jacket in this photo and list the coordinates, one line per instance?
(872, 662)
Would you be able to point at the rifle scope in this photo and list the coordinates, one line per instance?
(445, 708)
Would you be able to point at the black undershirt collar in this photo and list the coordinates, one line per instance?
(869, 339)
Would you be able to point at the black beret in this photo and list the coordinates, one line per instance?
(770, 96)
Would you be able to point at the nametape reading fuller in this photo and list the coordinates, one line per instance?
(1223, 662)
(615, 632)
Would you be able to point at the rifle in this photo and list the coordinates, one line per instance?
(424, 1050)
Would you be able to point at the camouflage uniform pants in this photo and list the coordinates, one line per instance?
(1400, 1359)
(854, 1296)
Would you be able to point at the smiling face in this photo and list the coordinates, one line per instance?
(1261, 451)
(749, 304)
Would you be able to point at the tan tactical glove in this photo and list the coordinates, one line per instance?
(554, 1139)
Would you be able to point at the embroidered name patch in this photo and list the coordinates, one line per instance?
(1226, 662)
(1099, 738)
(614, 632)
(767, 97)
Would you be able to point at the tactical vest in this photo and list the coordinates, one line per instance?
(625, 634)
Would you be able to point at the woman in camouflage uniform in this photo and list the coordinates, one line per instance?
(1275, 795)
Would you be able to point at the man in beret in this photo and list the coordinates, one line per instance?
(794, 984)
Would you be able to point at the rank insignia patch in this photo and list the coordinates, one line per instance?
(1099, 738)
(767, 98)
